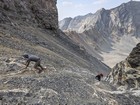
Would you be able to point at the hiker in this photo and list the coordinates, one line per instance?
(99, 76)
(35, 59)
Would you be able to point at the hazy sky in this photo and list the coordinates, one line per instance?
(72, 8)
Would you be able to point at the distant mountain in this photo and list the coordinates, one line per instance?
(65, 23)
(109, 35)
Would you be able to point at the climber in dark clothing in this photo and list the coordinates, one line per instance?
(99, 76)
(35, 59)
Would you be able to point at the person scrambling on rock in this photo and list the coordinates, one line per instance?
(99, 76)
(35, 59)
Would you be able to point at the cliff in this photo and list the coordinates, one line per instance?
(42, 13)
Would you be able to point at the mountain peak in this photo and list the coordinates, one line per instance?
(131, 4)
(102, 9)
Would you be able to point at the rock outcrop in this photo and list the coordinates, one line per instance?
(127, 72)
(42, 13)
(134, 56)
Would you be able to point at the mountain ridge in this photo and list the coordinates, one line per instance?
(103, 31)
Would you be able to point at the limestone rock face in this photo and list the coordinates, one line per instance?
(127, 72)
(42, 13)
(65, 23)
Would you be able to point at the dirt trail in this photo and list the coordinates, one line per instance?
(28, 72)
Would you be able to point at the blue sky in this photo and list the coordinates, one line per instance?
(72, 8)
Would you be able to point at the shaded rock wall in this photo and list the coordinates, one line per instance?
(42, 13)
(134, 57)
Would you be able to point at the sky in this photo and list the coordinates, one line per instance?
(72, 8)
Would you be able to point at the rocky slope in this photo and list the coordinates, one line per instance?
(32, 26)
(104, 33)
(70, 70)
(57, 87)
